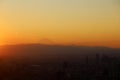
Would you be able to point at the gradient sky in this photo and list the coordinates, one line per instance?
(79, 22)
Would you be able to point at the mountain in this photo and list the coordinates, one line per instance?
(41, 52)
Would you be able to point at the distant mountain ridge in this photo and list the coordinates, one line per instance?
(43, 52)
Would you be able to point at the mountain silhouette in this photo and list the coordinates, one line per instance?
(43, 52)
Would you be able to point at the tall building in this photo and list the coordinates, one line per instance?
(98, 59)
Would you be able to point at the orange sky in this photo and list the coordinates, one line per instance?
(78, 22)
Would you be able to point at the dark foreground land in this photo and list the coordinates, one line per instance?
(96, 67)
(104, 69)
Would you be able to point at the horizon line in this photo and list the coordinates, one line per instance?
(59, 45)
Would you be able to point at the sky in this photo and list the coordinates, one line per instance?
(66, 22)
